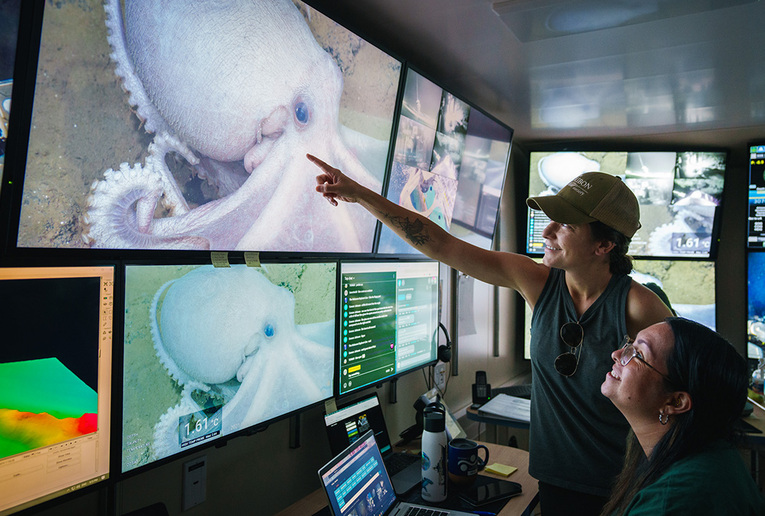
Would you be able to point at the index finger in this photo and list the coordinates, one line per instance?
(318, 162)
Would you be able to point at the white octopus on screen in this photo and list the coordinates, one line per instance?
(240, 91)
(228, 337)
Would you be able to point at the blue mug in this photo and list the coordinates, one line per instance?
(463, 460)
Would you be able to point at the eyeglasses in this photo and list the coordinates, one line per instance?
(572, 334)
(629, 352)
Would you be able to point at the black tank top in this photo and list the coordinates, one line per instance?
(577, 436)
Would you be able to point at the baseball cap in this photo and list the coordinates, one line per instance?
(593, 196)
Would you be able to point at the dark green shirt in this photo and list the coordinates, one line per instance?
(714, 481)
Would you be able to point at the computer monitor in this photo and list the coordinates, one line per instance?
(688, 284)
(204, 145)
(388, 320)
(756, 304)
(449, 164)
(212, 352)
(9, 28)
(55, 381)
(756, 232)
(679, 192)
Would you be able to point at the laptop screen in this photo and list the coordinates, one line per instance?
(351, 421)
(356, 482)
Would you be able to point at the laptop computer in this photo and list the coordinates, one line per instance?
(350, 422)
(356, 484)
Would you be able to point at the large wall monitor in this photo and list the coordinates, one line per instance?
(212, 351)
(55, 381)
(449, 164)
(196, 137)
(388, 321)
(689, 285)
(756, 236)
(679, 195)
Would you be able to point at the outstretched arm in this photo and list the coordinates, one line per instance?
(499, 268)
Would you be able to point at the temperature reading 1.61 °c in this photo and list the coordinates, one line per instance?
(691, 243)
(200, 426)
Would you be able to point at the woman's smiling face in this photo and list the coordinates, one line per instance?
(567, 244)
(635, 389)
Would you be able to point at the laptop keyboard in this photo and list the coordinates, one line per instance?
(400, 461)
(422, 511)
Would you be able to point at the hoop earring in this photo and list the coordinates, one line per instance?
(665, 419)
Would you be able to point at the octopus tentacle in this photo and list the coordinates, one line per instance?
(121, 209)
(137, 96)
(163, 144)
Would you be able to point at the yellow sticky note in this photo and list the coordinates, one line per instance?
(501, 469)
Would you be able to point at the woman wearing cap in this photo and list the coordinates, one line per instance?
(681, 387)
(583, 303)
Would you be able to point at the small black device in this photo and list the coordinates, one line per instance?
(481, 389)
(493, 491)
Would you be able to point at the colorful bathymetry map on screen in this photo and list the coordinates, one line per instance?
(43, 403)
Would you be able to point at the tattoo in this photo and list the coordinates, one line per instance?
(415, 231)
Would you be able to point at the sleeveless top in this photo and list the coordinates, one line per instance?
(577, 437)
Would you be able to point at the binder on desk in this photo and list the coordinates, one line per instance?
(507, 407)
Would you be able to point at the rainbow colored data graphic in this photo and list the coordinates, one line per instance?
(43, 403)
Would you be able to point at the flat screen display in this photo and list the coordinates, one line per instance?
(211, 351)
(55, 382)
(194, 135)
(756, 235)
(689, 285)
(449, 164)
(756, 305)
(388, 320)
(9, 29)
(679, 195)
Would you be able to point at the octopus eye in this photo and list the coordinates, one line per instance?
(269, 330)
(302, 113)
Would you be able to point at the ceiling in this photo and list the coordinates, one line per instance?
(657, 71)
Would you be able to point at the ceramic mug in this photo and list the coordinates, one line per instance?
(463, 460)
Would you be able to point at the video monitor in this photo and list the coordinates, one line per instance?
(9, 29)
(55, 382)
(194, 133)
(679, 195)
(212, 351)
(388, 322)
(688, 284)
(756, 305)
(449, 164)
(756, 235)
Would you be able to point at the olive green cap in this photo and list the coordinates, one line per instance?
(593, 196)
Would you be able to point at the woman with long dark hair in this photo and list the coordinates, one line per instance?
(681, 387)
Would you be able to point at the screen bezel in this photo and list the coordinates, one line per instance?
(391, 160)
(197, 260)
(108, 351)
(12, 191)
(338, 366)
(523, 184)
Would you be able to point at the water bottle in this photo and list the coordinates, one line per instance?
(758, 377)
(434, 450)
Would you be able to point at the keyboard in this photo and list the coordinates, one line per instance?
(400, 461)
(422, 511)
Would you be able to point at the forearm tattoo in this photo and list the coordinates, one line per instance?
(415, 230)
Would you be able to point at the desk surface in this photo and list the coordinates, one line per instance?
(497, 453)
